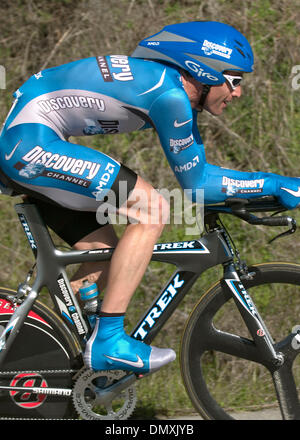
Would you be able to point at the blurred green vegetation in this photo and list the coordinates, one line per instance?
(259, 132)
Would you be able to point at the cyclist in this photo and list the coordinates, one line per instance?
(171, 76)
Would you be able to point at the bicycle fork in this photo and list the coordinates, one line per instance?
(252, 318)
(277, 363)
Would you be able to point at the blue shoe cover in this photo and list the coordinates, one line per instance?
(110, 348)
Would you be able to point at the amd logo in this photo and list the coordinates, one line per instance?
(187, 166)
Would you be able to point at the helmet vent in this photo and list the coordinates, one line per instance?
(239, 43)
(241, 52)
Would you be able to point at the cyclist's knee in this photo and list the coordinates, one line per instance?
(159, 211)
(149, 208)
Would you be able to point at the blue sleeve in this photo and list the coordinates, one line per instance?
(176, 125)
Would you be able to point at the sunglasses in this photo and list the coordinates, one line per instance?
(234, 81)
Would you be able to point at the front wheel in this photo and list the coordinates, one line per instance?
(43, 355)
(217, 351)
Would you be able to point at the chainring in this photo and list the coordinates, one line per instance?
(85, 402)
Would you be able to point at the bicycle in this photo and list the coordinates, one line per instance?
(42, 375)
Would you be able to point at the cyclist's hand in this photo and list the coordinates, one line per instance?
(289, 192)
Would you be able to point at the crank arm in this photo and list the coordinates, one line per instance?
(107, 395)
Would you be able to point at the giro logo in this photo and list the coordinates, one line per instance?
(194, 67)
(28, 399)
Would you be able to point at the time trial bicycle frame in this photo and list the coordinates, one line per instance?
(191, 259)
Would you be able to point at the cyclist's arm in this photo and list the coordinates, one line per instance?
(184, 150)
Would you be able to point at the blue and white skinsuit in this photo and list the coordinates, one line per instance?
(114, 94)
(104, 95)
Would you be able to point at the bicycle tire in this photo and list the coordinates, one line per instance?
(44, 354)
(206, 368)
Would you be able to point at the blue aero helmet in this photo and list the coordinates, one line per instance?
(206, 49)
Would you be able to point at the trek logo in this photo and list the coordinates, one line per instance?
(210, 48)
(159, 307)
(121, 62)
(194, 67)
(62, 162)
(240, 292)
(187, 166)
(27, 231)
(179, 247)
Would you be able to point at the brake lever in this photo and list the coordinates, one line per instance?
(289, 232)
(242, 213)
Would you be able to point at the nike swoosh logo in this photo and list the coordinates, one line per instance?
(138, 364)
(10, 155)
(294, 193)
(180, 124)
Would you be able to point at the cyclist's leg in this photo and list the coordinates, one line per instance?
(95, 272)
(109, 347)
(149, 211)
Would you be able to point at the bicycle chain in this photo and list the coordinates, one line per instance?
(12, 373)
(30, 418)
